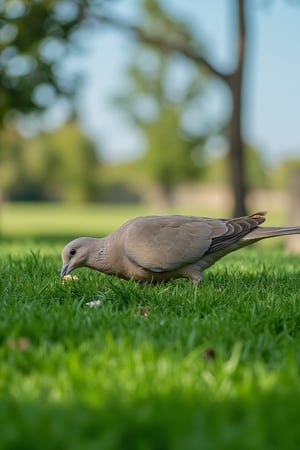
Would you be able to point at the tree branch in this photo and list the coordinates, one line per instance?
(242, 32)
(164, 44)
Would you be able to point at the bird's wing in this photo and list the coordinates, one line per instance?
(237, 229)
(166, 243)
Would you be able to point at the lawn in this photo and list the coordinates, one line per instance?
(164, 367)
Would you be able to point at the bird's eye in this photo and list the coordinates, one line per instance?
(72, 251)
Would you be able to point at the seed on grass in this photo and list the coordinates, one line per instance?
(69, 278)
(93, 303)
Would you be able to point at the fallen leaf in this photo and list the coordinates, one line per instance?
(21, 343)
(144, 311)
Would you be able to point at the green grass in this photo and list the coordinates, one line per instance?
(164, 367)
(54, 221)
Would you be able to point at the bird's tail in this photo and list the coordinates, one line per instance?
(268, 232)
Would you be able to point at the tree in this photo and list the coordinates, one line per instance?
(233, 79)
(257, 170)
(168, 115)
(32, 23)
(59, 166)
(34, 38)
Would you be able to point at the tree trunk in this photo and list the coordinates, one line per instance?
(236, 155)
(234, 81)
(236, 146)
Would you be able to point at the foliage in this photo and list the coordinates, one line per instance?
(168, 115)
(258, 173)
(36, 38)
(32, 43)
(59, 166)
(281, 174)
(152, 367)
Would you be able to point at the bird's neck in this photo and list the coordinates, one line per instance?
(96, 253)
(100, 255)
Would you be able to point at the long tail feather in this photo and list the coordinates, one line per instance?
(268, 232)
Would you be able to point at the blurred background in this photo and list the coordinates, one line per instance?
(115, 108)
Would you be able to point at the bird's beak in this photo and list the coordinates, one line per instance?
(64, 270)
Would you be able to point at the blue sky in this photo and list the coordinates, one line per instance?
(272, 94)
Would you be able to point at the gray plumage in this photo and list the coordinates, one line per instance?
(160, 248)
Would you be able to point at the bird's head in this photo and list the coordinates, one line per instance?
(74, 255)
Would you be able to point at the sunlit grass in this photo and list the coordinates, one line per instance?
(152, 367)
(57, 220)
(219, 361)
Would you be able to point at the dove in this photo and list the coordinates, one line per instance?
(162, 248)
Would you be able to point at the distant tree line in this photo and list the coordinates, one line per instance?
(35, 37)
(61, 166)
(65, 166)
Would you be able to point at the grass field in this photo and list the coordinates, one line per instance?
(164, 367)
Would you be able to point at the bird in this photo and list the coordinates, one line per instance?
(161, 248)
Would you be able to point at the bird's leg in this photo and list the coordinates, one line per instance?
(196, 278)
(193, 273)
(196, 281)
